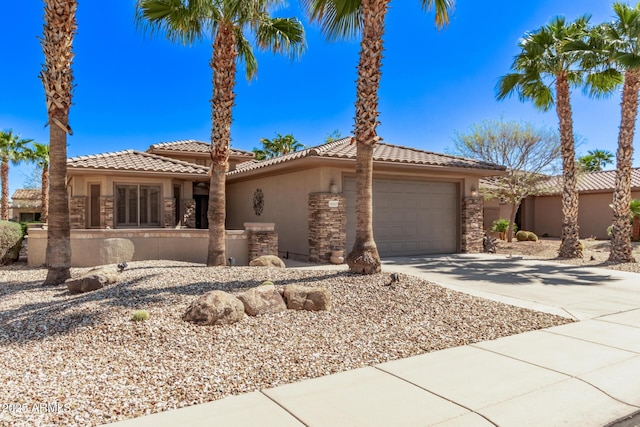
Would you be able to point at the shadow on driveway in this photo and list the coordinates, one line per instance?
(501, 270)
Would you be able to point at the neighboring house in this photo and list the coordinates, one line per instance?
(542, 214)
(424, 202)
(26, 205)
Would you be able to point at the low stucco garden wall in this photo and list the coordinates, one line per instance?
(172, 244)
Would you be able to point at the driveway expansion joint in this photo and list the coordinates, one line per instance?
(436, 394)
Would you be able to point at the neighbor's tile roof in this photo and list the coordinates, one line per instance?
(343, 149)
(26, 194)
(131, 160)
(591, 182)
(193, 146)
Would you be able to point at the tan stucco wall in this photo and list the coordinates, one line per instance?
(286, 199)
(80, 183)
(285, 204)
(594, 215)
(179, 245)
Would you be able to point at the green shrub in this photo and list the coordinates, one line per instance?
(500, 225)
(532, 237)
(522, 236)
(267, 283)
(140, 316)
(10, 241)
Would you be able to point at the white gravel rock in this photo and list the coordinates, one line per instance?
(82, 357)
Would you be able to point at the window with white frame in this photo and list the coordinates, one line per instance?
(137, 205)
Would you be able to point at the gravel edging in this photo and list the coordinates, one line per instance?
(81, 354)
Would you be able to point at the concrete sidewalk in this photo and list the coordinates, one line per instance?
(581, 374)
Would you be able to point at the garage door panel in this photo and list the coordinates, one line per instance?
(409, 217)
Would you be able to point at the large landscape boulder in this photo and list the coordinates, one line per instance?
(93, 280)
(10, 241)
(262, 300)
(215, 308)
(116, 250)
(312, 298)
(267, 261)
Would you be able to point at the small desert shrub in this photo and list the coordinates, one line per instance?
(532, 237)
(581, 246)
(267, 283)
(545, 235)
(140, 316)
(10, 241)
(522, 236)
(500, 225)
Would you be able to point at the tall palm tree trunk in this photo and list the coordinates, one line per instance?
(57, 78)
(45, 194)
(570, 244)
(223, 64)
(364, 257)
(4, 175)
(621, 249)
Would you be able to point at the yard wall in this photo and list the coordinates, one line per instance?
(188, 245)
(594, 214)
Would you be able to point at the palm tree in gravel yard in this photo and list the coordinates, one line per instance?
(57, 79)
(344, 19)
(39, 154)
(544, 72)
(622, 37)
(226, 22)
(12, 149)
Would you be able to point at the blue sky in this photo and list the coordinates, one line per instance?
(133, 90)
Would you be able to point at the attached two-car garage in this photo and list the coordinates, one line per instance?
(410, 217)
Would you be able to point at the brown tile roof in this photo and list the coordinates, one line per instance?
(342, 149)
(131, 160)
(193, 146)
(26, 194)
(591, 182)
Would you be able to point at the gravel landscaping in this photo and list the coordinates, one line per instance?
(596, 253)
(80, 360)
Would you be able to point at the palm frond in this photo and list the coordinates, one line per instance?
(442, 8)
(281, 35)
(339, 19)
(245, 53)
(179, 22)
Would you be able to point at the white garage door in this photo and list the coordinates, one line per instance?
(409, 217)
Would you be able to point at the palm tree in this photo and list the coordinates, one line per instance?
(278, 146)
(595, 160)
(57, 78)
(12, 149)
(543, 72)
(39, 155)
(623, 39)
(346, 18)
(226, 22)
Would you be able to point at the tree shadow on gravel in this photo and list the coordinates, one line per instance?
(63, 313)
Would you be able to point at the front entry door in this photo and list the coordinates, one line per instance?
(202, 204)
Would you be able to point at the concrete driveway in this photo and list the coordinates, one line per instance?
(567, 290)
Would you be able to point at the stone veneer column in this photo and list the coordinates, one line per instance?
(327, 225)
(472, 232)
(170, 212)
(189, 209)
(78, 212)
(107, 208)
(263, 239)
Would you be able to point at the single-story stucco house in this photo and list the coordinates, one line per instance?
(424, 202)
(26, 205)
(542, 213)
